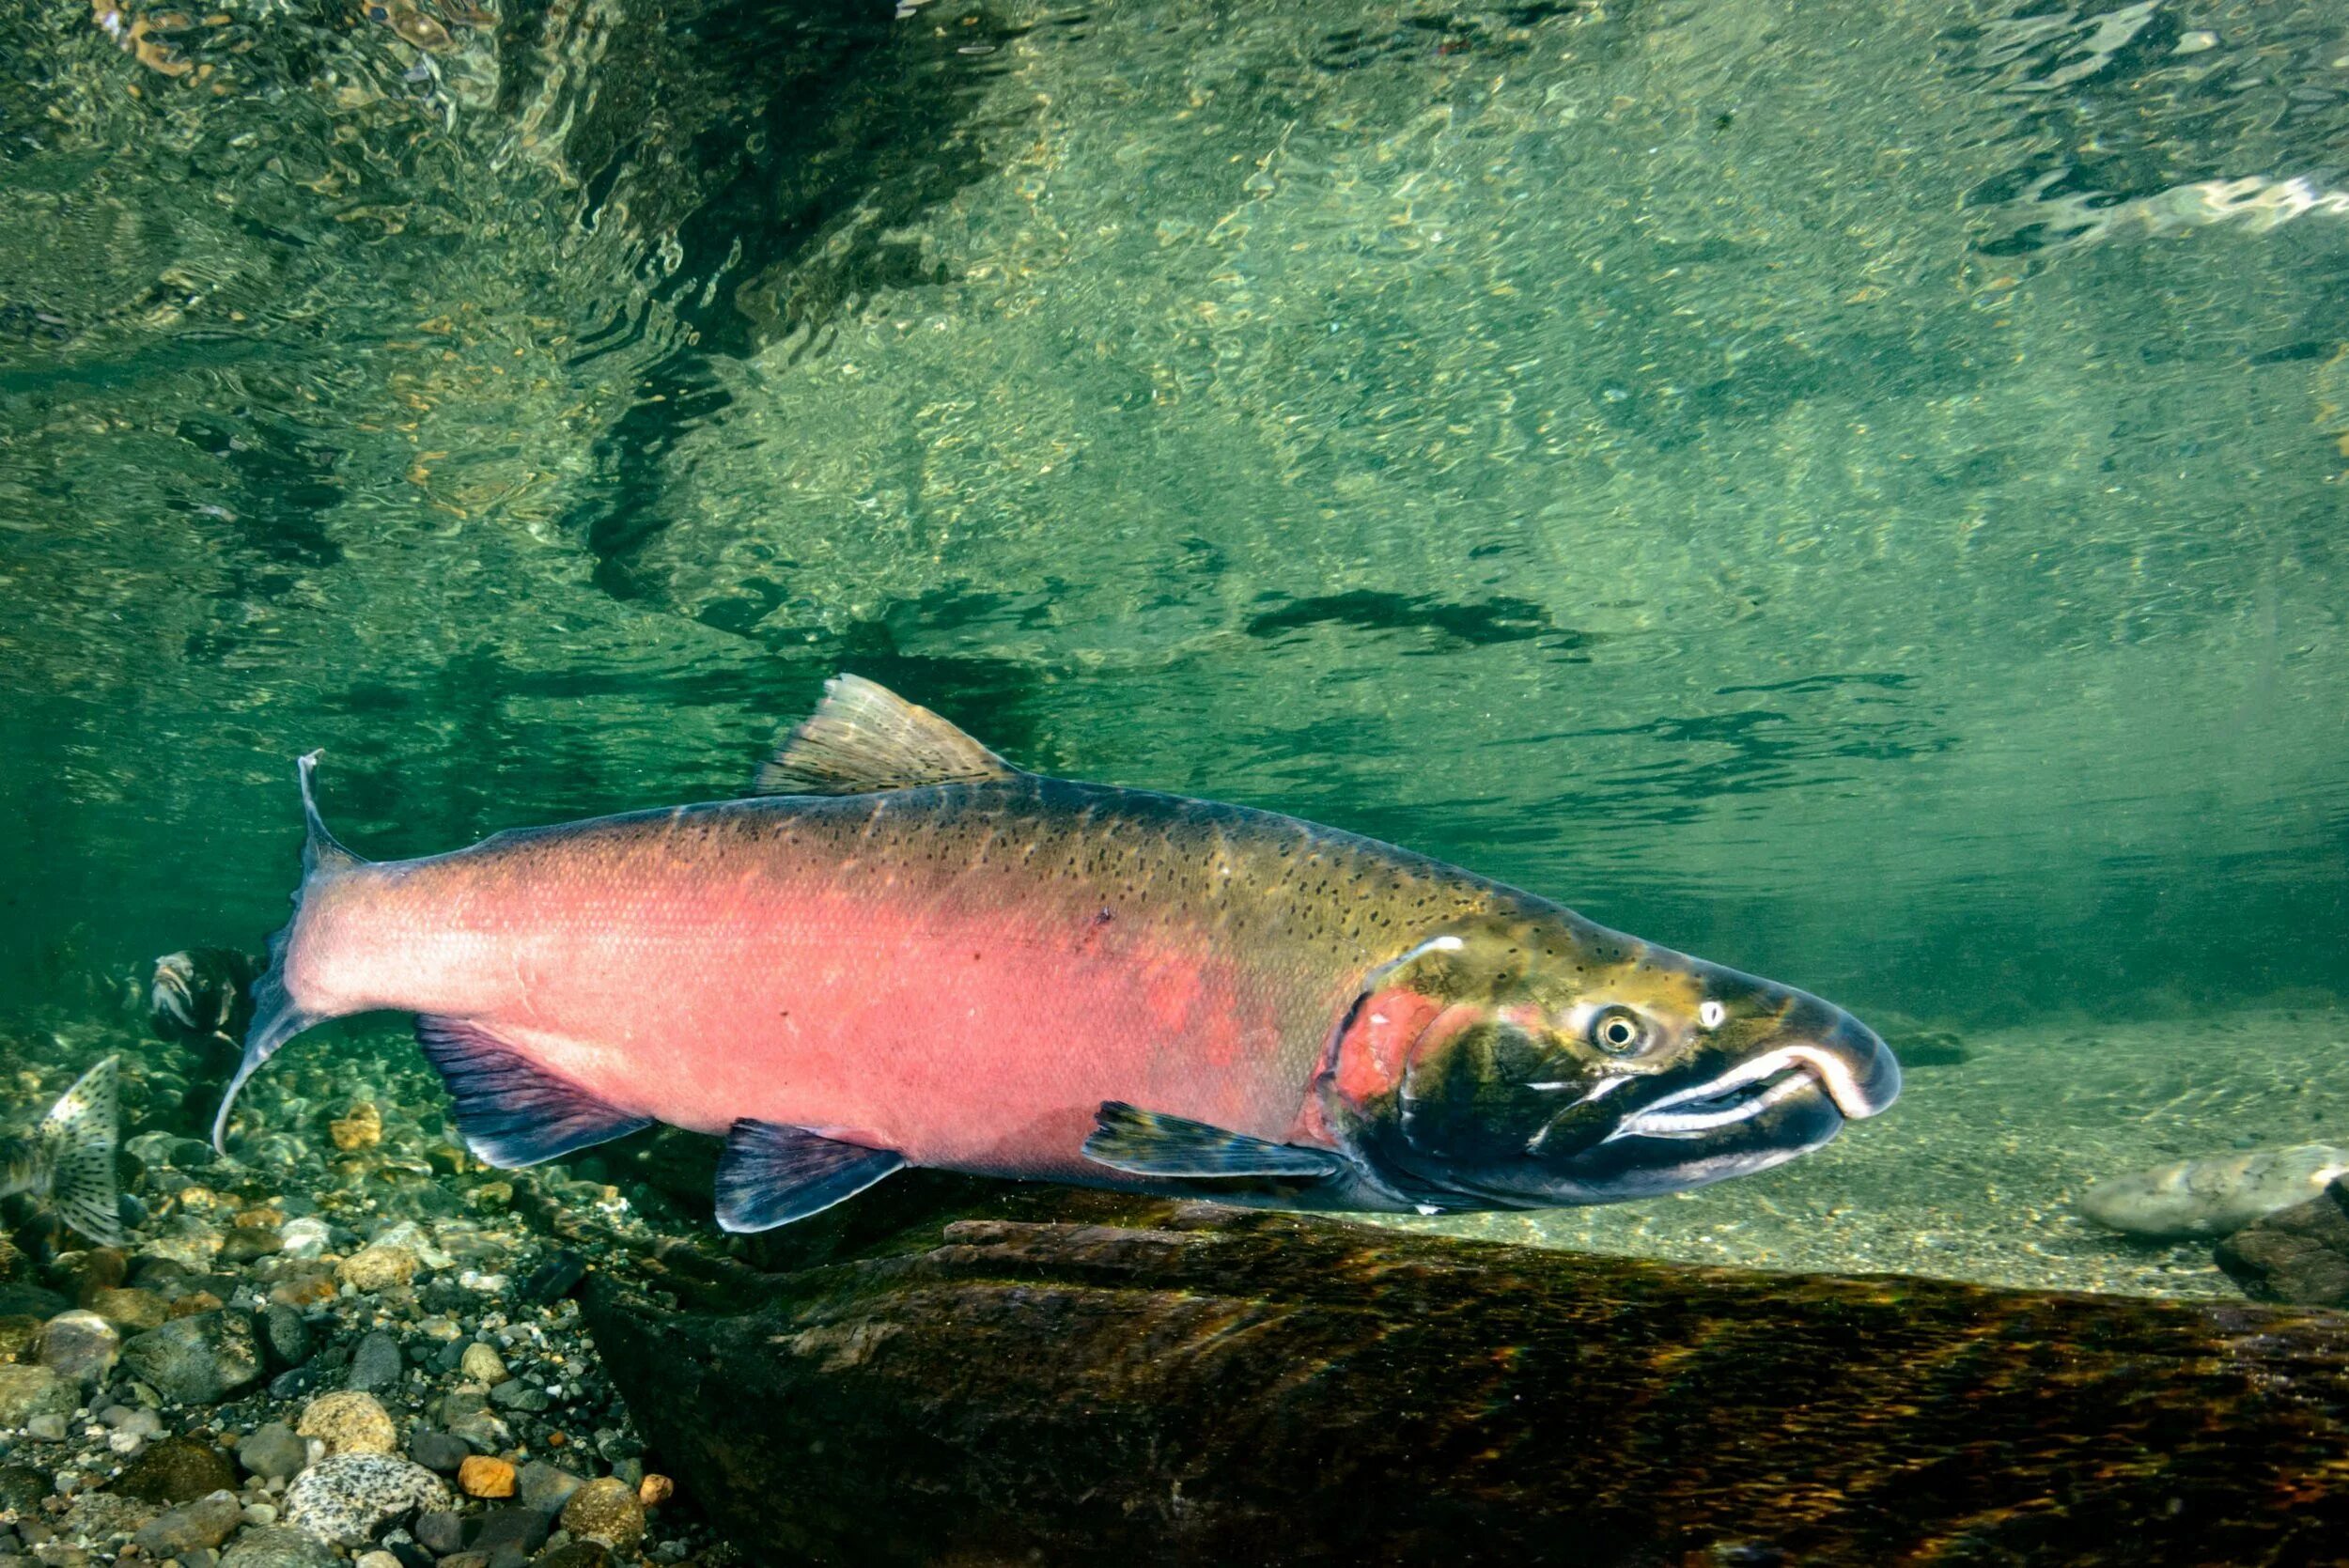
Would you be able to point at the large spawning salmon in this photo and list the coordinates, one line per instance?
(902, 950)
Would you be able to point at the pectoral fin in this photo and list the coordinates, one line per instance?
(1149, 1143)
(510, 1111)
(80, 1130)
(771, 1174)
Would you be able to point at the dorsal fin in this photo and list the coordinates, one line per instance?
(864, 738)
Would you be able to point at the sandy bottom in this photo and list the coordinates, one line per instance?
(1971, 1175)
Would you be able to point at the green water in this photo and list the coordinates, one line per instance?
(1854, 491)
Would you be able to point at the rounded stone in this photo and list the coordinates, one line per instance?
(605, 1509)
(80, 1345)
(200, 1360)
(27, 1392)
(482, 1364)
(176, 1470)
(277, 1546)
(350, 1422)
(377, 1268)
(480, 1476)
(346, 1498)
(274, 1451)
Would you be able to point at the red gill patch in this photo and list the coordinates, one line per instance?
(1387, 1027)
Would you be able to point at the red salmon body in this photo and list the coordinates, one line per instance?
(904, 951)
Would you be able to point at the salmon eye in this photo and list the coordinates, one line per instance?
(1618, 1030)
(1711, 1012)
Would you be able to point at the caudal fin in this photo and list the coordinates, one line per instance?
(277, 1017)
(78, 1133)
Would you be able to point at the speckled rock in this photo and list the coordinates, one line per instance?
(196, 1361)
(29, 1391)
(377, 1268)
(178, 1469)
(347, 1498)
(605, 1509)
(277, 1546)
(350, 1422)
(80, 1347)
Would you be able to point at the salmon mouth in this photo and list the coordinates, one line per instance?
(1848, 1068)
(1708, 1107)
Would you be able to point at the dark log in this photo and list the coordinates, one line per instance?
(975, 1376)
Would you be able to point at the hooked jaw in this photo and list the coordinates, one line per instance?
(1845, 1061)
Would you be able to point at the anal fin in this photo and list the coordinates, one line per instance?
(772, 1175)
(511, 1112)
(1151, 1144)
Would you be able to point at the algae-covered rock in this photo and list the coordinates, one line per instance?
(28, 1392)
(1070, 1377)
(177, 1471)
(2298, 1254)
(201, 1359)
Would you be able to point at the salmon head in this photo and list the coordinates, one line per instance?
(1534, 1059)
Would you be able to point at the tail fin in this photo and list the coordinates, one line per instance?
(80, 1132)
(276, 1016)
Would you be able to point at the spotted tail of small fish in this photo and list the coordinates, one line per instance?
(77, 1140)
(276, 1016)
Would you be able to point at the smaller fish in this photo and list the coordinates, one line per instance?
(68, 1161)
(2214, 1195)
(203, 993)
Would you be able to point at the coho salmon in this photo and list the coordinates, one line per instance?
(902, 950)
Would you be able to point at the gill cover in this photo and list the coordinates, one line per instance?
(1532, 1059)
(277, 1017)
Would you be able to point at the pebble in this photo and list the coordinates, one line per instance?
(176, 1470)
(305, 1236)
(196, 1361)
(482, 1364)
(80, 1347)
(285, 1336)
(347, 1498)
(377, 1268)
(654, 1490)
(362, 1129)
(547, 1487)
(376, 1363)
(350, 1422)
(437, 1450)
(203, 1523)
(605, 1509)
(277, 1546)
(481, 1476)
(376, 1560)
(27, 1393)
(439, 1533)
(274, 1451)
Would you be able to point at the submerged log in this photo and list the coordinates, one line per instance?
(964, 1374)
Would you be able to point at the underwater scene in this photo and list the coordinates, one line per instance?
(1851, 496)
